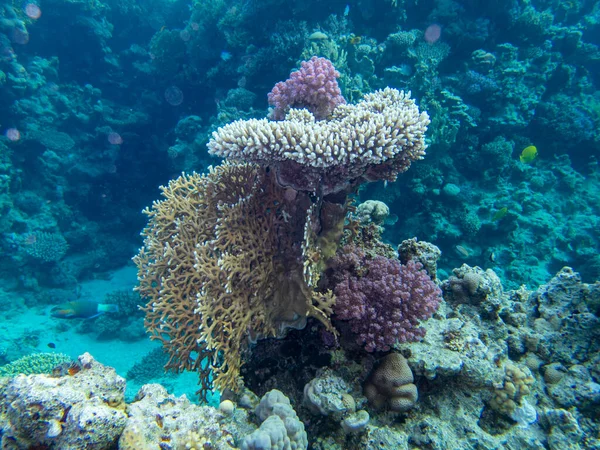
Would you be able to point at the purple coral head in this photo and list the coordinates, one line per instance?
(313, 87)
(386, 303)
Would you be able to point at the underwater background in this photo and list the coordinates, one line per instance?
(103, 102)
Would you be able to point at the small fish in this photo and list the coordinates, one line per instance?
(528, 154)
(318, 36)
(67, 368)
(73, 368)
(82, 309)
(500, 214)
(346, 10)
(51, 345)
(462, 251)
(226, 56)
(355, 40)
(492, 257)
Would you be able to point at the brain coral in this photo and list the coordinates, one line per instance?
(222, 265)
(391, 384)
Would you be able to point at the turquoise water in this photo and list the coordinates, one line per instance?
(104, 102)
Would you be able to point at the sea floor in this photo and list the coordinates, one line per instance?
(26, 330)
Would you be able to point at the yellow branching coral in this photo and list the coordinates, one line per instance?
(222, 265)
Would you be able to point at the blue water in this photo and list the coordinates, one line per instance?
(104, 101)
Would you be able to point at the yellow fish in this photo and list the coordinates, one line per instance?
(528, 154)
(500, 214)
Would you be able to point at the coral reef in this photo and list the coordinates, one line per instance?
(66, 178)
(390, 385)
(376, 139)
(85, 409)
(481, 365)
(104, 100)
(383, 300)
(219, 269)
(314, 87)
(501, 377)
(237, 255)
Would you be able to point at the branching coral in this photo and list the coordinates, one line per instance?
(237, 255)
(314, 86)
(383, 300)
(34, 363)
(222, 264)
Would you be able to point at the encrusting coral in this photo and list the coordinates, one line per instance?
(280, 428)
(81, 409)
(221, 267)
(516, 385)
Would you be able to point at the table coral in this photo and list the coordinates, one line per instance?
(376, 139)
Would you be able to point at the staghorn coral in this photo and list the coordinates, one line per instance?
(376, 139)
(222, 265)
(127, 301)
